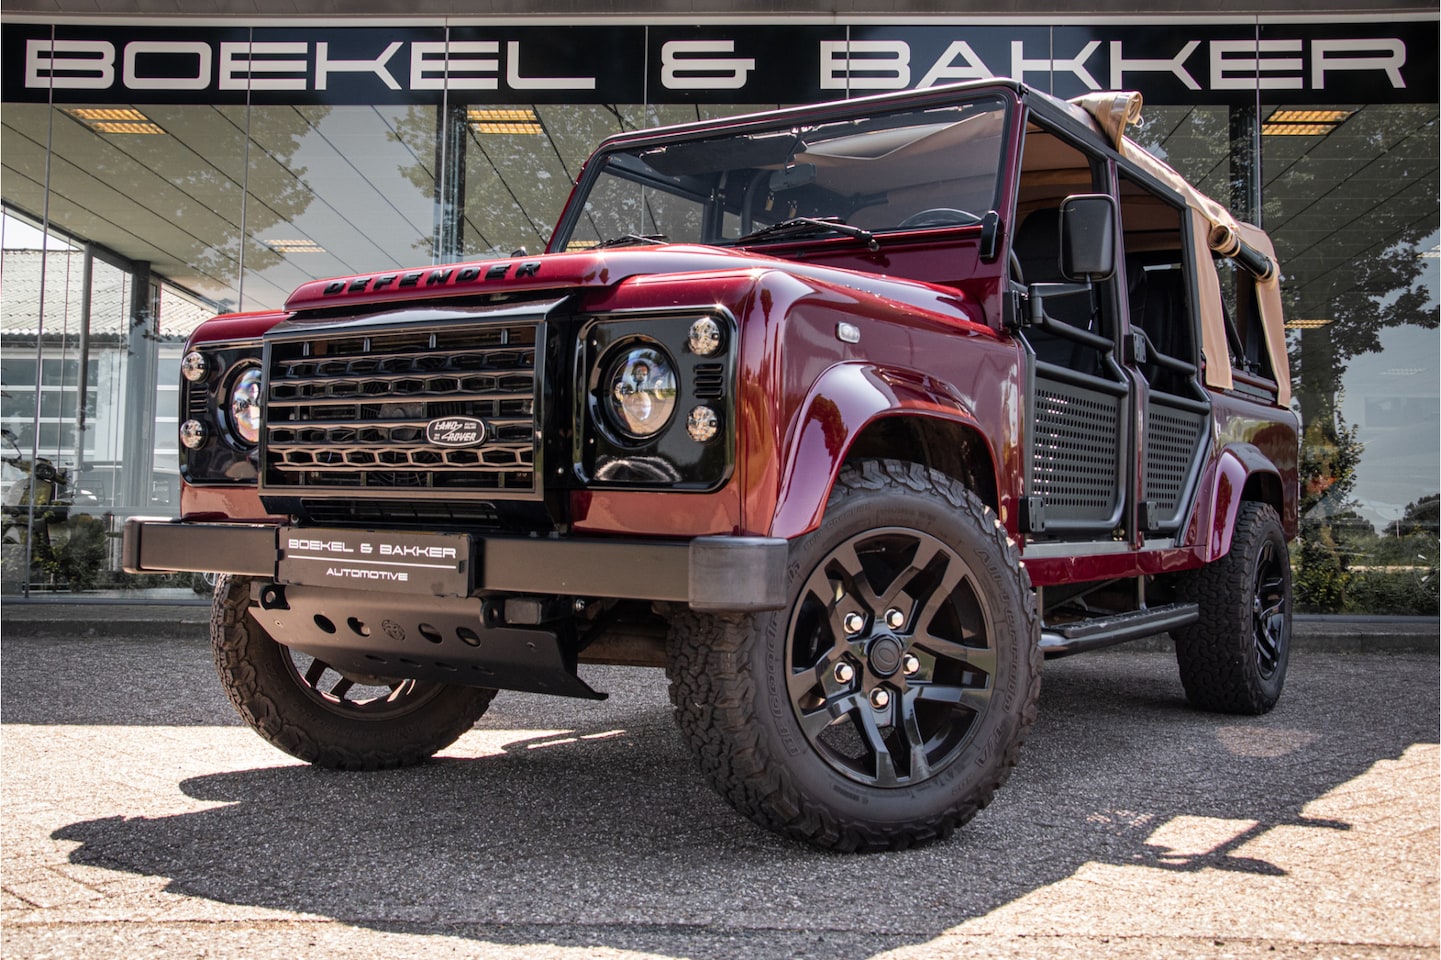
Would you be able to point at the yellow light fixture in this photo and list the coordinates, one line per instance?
(575, 246)
(108, 126)
(1296, 129)
(503, 121)
(106, 113)
(1306, 324)
(1303, 123)
(1308, 116)
(294, 246)
(114, 120)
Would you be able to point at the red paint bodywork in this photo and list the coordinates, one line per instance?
(927, 309)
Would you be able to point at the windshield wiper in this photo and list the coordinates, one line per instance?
(630, 239)
(801, 226)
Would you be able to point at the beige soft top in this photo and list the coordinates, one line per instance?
(1215, 229)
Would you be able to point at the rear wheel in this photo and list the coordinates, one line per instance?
(1233, 659)
(324, 716)
(887, 703)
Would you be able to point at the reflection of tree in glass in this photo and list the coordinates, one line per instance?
(1362, 271)
(277, 192)
(416, 130)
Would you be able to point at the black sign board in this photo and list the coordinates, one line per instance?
(1375, 61)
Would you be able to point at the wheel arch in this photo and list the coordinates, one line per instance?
(1243, 473)
(857, 411)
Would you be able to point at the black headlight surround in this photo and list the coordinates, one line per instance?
(222, 458)
(607, 454)
(237, 374)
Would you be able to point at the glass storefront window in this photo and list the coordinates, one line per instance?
(1351, 204)
(464, 141)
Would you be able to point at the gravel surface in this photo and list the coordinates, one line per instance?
(140, 819)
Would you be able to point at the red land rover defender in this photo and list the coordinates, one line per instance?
(845, 415)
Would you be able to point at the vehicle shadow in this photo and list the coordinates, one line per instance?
(605, 835)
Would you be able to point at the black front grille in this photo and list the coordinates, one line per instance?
(347, 411)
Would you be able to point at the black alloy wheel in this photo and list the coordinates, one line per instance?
(892, 659)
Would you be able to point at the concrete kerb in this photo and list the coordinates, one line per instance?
(190, 619)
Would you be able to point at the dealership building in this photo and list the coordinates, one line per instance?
(158, 169)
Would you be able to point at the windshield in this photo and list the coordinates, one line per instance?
(915, 168)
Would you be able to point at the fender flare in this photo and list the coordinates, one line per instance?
(845, 400)
(1235, 467)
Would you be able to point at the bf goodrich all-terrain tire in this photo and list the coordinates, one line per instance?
(1233, 659)
(887, 702)
(311, 711)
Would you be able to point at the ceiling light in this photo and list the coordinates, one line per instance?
(114, 120)
(109, 126)
(1308, 116)
(1433, 254)
(1296, 129)
(512, 121)
(575, 246)
(294, 246)
(106, 113)
(1306, 324)
(1303, 123)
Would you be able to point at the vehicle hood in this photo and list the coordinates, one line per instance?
(592, 269)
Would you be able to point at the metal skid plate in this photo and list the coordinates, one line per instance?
(441, 639)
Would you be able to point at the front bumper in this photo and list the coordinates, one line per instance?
(714, 574)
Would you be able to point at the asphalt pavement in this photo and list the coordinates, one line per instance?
(138, 818)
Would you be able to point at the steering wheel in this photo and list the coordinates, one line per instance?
(940, 217)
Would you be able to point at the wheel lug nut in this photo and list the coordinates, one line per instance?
(895, 619)
(854, 623)
(910, 664)
(879, 698)
(844, 673)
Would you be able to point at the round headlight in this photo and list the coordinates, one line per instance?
(705, 337)
(702, 424)
(192, 434)
(194, 367)
(640, 391)
(245, 404)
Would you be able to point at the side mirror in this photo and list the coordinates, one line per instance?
(1088, 237)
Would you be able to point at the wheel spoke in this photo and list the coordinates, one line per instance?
(802, 683)
(341, 688)
(822, 588)
(925, 555)
(860, 584)
(974, 699)
(815, 721)
(918, 767)
(1276, 609)
(956, 574)
(977, 658)
(885, 767)
(1271, 587)
(315, 671)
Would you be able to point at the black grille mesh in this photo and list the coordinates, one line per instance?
(350, 410)
(1171, 439)
(1074, 454)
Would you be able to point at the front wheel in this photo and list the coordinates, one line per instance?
(324, 716)
(887, 703)
(1233, 659)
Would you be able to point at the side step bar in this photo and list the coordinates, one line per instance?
(1081, 635)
